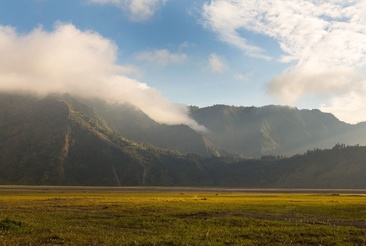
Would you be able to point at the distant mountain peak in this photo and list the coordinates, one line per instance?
(240, 130)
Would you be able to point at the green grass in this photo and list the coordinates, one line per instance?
(107, 217)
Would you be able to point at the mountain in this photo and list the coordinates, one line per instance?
(57, 140)
(62, 140)
(274, 130)
(135, 125)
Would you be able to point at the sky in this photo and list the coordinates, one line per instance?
(163, 55)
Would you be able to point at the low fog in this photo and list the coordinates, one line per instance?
(81, 63)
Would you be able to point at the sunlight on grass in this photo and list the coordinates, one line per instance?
(175, 218)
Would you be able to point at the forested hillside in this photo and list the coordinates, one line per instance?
(339, 167)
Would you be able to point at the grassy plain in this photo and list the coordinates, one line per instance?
(173, 217)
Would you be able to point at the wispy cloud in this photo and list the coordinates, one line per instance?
(82, 63)
(326, 40)
(225, 18)
(137, 10)
(243, 77)
(216, 63)
(161, 57)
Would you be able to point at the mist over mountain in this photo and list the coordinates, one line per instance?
(42, 63)
(64, 140)
(57, 140)
(132, 123)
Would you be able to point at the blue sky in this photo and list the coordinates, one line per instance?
(302, 53)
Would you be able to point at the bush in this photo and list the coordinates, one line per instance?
(7, 224)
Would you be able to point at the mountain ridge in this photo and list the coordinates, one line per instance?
(277, 130)
(61, 140)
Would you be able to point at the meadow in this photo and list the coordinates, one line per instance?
(92, 216)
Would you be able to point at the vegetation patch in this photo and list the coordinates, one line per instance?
(287, 218)
(113, 217)
(8, 224)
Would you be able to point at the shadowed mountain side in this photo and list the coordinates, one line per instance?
(135, 125)
(340, 167)
(32, 138)
(59, 141)
(274, 130)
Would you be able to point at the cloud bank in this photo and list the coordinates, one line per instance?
(137, 10)
(324, 40)
(82, 63)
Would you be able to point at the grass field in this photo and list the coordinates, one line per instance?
(179, 217)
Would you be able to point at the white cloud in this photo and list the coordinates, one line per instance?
(216, 63)
(161, 57)
(81, 63)
(326, 40)
(299, 81)
(349, 107)
(224, 18)
(137, 10)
